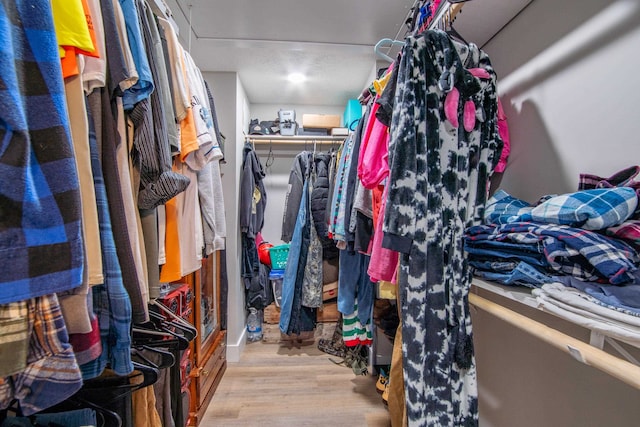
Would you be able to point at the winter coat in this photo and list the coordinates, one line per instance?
(299, 170)
(253, 196)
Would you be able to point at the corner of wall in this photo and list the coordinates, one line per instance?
(234, 350)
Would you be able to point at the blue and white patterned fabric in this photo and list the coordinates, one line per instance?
(594, 209)
(502, 208)
(589, 209)
(573, 251)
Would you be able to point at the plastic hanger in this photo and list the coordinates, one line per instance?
(187, 330)
(167, 359)
(171, 314)
(389, 43)
(177, 322)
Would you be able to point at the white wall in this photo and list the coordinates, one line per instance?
(567, 72)
(277, 179)
(232, 108)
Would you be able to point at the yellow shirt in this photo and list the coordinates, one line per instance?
(74, 31)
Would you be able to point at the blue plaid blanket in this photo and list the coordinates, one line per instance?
(595, 209)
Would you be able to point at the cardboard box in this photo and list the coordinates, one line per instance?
(271, 314)
(329, 313)
(321, 121)
(329, 291)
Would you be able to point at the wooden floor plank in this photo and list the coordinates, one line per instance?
(279, 384)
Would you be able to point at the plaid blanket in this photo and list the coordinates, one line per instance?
(594, 209)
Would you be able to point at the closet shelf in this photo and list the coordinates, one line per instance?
(591, 353)
(579, 350)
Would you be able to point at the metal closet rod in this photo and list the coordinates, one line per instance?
(277, 139)
(579, 350)
(446, 10)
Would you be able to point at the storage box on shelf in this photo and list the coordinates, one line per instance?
(320, 121)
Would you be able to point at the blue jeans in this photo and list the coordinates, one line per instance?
(531, 254)
(291, 270)
(354, 282)
(520, 273)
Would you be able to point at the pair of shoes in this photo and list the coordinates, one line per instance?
(331, 347)
(383, 379)
(385, 394)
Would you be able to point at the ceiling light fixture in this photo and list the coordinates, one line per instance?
(296, 77)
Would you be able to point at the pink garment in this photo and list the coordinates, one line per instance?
(503, 131)
(384, 262)
(373, 164)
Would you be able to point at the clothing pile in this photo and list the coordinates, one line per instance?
(578, 251)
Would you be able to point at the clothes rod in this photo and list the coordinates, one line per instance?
(448, 10)
(579, 350)
(293, 139)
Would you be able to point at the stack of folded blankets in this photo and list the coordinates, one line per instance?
(579, 251)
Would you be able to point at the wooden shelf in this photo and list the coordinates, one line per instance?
(522, 295)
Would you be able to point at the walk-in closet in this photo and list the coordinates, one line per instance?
(337, 213)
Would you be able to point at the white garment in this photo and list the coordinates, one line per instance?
(212, 207)
(132, 72)
(570, 304)
(162, 232)
(189, 223)
(209, 147)
(94, 71)
(181, 100)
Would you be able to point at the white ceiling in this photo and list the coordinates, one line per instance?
(331, 41)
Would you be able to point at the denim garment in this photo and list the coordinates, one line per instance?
(623, 298)
(575, 251)
(302, 319)
(111, 302)
(291, 270)
(77, 417)
(532, 254)
(354, 285)
(521, 274)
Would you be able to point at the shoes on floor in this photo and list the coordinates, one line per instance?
(385, 394)
(383, 379)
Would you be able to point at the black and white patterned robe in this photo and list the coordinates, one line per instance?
(438, 187)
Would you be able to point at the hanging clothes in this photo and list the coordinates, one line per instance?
(39, 189)
(253, 201)
(444, 145)
(294, 317)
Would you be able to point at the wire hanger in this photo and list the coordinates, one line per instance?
(270, 156)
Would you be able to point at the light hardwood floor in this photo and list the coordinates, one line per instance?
(283, 385)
